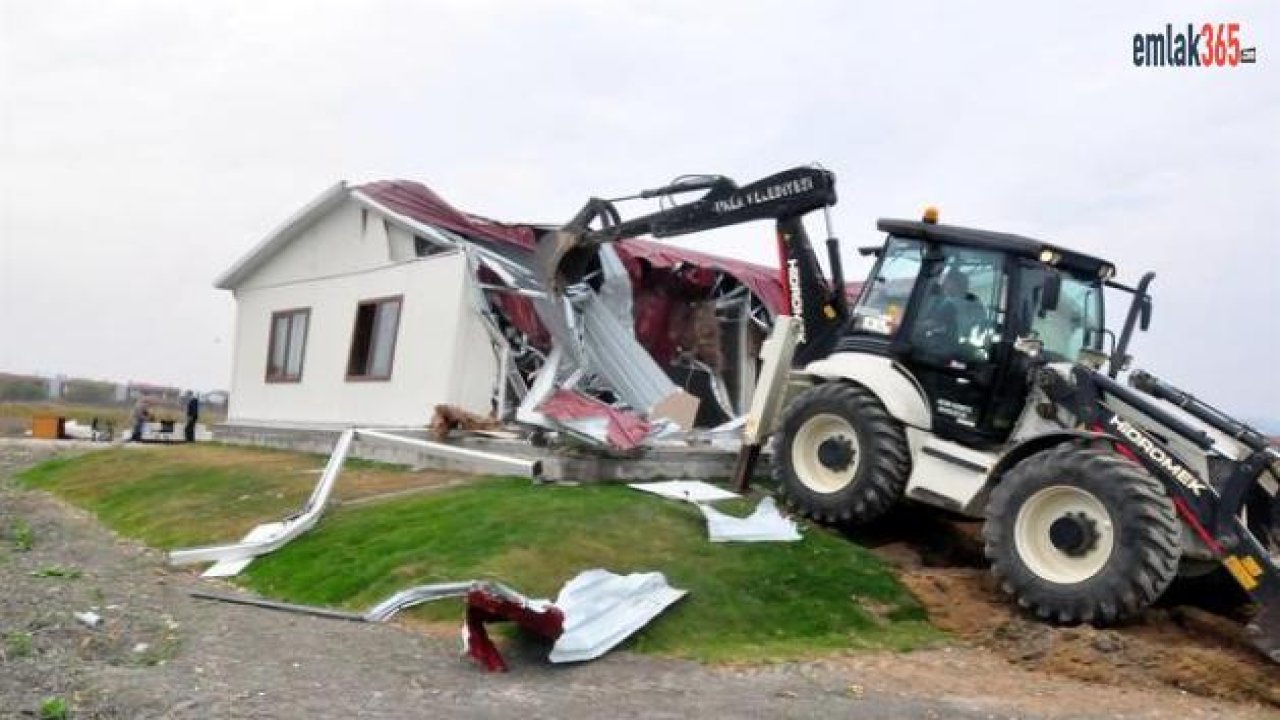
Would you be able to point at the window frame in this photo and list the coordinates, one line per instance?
(284, 376)
(395, 338)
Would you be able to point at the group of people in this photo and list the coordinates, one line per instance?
(143, 412)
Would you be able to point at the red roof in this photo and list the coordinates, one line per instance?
(418, 202)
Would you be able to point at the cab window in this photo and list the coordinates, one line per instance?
(1074, 324)
(884, 298)
(961, 306)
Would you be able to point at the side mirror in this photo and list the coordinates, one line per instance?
(1051, 293)
(1144, 319)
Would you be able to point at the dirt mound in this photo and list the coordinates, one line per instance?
(1182, 646)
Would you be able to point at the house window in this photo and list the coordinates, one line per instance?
(423, 247)
(373, 341)
(287, 345)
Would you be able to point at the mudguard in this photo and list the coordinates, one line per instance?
(892, 383)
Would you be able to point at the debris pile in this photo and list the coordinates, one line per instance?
(592, 614)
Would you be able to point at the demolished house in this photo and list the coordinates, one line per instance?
(377, 302)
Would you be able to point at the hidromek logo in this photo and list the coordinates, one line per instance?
(1212, 46)
(1157, 455)
(797, 294)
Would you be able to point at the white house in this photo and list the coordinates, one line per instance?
(377, 302)
(352, 312)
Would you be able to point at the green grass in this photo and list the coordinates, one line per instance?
(21, 535)
(18, 644)
(54, 708)
(56, 571)
(747, 601)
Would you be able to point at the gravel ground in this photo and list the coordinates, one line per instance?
(160, 654)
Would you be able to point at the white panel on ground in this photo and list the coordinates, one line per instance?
(602, 609)
(766, 524)
(694, 491)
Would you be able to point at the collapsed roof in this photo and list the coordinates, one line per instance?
(658, 341)
(680, 355)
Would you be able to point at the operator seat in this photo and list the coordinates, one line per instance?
(950, 317)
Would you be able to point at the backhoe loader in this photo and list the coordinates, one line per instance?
(975, 373)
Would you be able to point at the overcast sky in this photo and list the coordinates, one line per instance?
(145, 146)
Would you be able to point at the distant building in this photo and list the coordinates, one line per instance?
(157, 393)
(23, 388)
(216, 398)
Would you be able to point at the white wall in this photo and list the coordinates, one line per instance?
(442, 352)
(347, 239)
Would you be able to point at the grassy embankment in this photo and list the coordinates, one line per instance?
(747, 601)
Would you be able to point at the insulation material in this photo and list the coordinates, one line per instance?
(448, 418)
(766, 524)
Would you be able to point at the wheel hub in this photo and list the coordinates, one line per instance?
(1075, 534)
(835, 453)
(825, 453)
(1064, 534)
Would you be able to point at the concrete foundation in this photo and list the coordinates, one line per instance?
(559, 464)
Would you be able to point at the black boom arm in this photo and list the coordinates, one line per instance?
(567, 255)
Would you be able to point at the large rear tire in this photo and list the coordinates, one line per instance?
(839, 456)
(1077, 533)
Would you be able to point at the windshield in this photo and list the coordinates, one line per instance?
(884, 299)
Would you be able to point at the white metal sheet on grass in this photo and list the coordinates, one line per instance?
(601, 609)
(694, 491)
(766, 524)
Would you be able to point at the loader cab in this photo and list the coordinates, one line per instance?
(970, 312)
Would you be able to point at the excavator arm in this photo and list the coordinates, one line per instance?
(568, 254)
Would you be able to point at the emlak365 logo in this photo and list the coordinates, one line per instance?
(1213, 45)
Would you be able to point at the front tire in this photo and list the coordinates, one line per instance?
(839, 456)
(1077, 533)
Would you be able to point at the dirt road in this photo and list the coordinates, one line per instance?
(159, 653)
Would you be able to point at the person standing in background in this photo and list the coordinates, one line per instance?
(193, 413)
(138, 417)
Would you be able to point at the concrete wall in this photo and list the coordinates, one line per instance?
(442, 353)
(664, 463)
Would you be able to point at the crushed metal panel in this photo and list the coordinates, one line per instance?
(493, 602)
(694, 491)
(766, 524)
(543, 385)
(601, 609)
(271, 536)
(613, 352)
(417, 595)
(587, 417)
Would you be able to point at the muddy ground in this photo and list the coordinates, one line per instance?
(1193, 641)
(160, 653)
